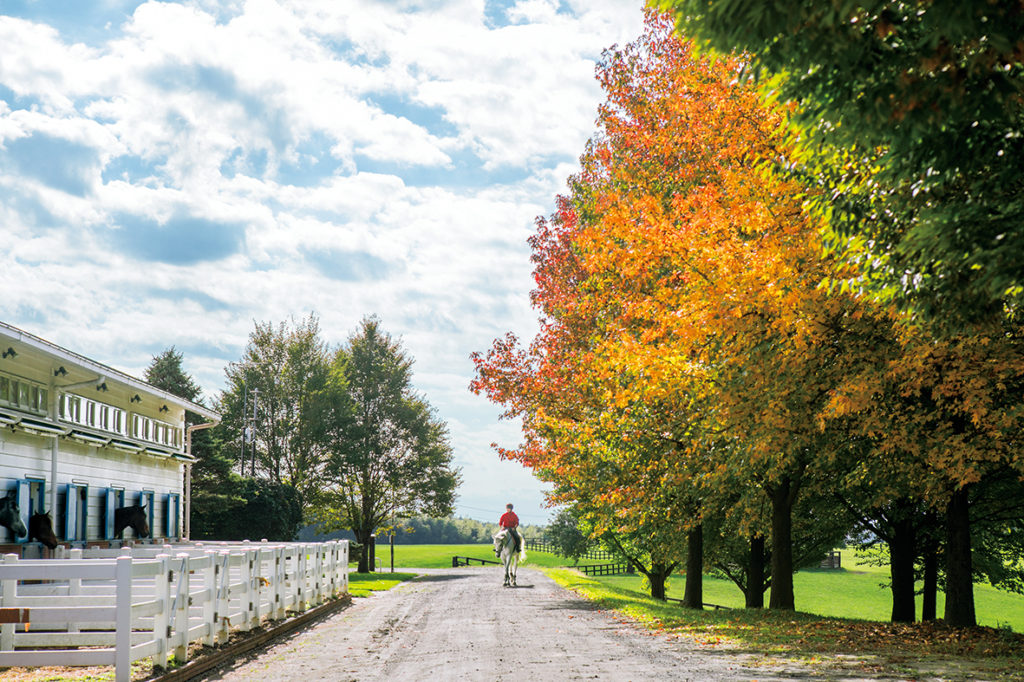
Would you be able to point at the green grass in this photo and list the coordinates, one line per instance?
(440, 556)
(362, 584)
(858, 591)
(834, 646)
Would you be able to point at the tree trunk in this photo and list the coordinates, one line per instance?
(693, 597)
(755, 574)
(930, 590)
(657, 577)
(782, 546)
(902, 553)
(363, 538)
(959, 581)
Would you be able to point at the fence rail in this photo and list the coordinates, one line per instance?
(545, 545)
(468, 561)
(605, 569)
(116, 606)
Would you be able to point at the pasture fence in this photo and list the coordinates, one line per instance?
(468, 561)
(545, 545)
(115, 606)
(605, 569)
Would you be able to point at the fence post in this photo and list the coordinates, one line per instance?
(333, 557)
(221, 613)
(210, 604)
(8, 595)
(123, 620)
(300, 566)
(250, 571)
(181, 611)
(318, 573)
(162, 593)
(74, 586)
(279, 594)
(343, 567)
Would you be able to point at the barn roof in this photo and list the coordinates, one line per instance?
(18, 339)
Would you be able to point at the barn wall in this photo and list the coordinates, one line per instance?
(25, 455)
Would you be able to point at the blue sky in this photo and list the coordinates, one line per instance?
(171, 173)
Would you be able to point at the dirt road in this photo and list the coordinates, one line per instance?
(461, 624)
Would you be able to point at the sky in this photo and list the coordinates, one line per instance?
(173, 173)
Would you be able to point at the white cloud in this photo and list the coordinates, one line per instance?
(344, 158)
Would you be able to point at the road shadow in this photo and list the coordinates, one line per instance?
(441, 577)
(572, 605)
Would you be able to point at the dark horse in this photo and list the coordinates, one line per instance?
(40, 527)
(10, 516)
(134, 517)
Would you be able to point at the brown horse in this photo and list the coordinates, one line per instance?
(133, 517)
(40, 527)
(10, 516)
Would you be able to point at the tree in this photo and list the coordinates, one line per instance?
(908, 114)
(684, 339)
(277, 393)
(389, 453)
(565, 533)
(214, 486)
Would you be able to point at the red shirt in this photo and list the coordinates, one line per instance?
(508, 520)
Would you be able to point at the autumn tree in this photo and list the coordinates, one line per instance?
(908, 114)
(938, 425)
(678, 288)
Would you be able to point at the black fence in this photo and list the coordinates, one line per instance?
(468, 561)
(605, 569)
(707, 605)
(833, 560)
(544, 545)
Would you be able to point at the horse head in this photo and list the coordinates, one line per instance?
(40, 527)
(133, 517)
(10, 516)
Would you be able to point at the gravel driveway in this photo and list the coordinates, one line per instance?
(461, 624)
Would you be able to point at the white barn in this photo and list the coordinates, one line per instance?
(79, 439)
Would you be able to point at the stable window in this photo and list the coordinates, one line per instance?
(118, 421)
(173, 516)
(76, 509)
(146, 500)
(31, 499)
(113, 498)
(71, 408)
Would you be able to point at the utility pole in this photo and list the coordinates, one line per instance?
(252, 429)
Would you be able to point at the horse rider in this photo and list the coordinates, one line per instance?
(509, 521)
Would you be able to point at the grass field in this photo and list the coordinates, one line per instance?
(840, 630)
(857, 591)
(440, 556)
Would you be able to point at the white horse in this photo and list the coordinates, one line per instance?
(504, 547)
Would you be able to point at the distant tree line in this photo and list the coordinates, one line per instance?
(423, 530)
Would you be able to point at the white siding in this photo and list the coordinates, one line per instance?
(23, 454)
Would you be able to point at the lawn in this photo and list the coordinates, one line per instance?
(440, 556)
(834, 647)
(857, 591)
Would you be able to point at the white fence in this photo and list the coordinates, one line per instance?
(115, 606)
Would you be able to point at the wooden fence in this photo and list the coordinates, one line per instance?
(605, 569)
(468, 561)
(115, 606)
(544, 545)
